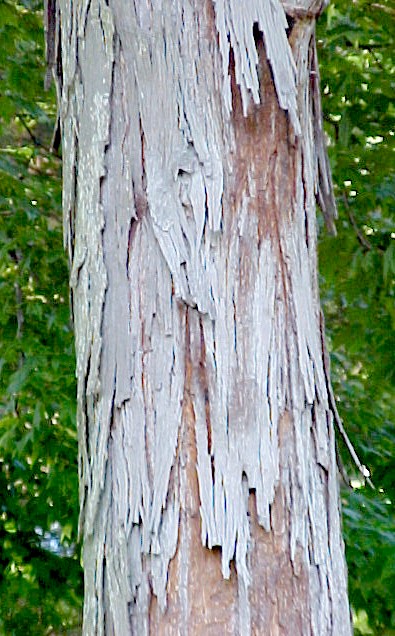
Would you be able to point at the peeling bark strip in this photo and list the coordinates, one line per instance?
(193, 155)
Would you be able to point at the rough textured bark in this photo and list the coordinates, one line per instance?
(193, 157)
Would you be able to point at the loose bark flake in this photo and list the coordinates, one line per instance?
(193, 155)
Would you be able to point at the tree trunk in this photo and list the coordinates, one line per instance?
(193, 155)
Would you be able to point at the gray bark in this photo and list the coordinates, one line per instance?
(193, 156)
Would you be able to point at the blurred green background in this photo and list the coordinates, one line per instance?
(40, 575)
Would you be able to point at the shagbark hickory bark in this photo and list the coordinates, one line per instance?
(193, 156)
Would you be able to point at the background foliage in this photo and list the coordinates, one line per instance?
(357, 270)
(40, 576)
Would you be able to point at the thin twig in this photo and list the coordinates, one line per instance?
(332, 404)
(360, 236)
(342, 469)
(26, 127)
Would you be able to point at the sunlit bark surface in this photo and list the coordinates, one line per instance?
(193, 157)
